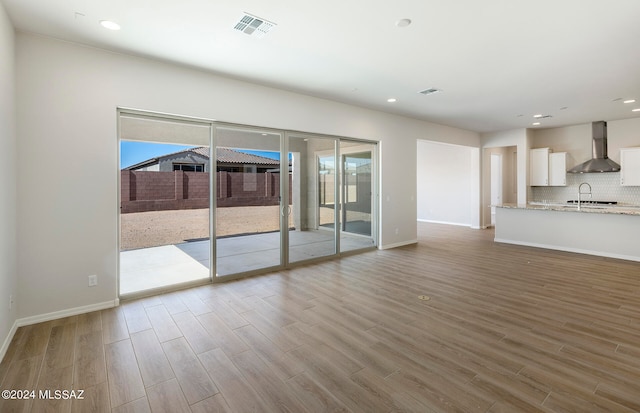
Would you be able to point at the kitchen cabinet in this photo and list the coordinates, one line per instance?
(558, 169)
(539, 167)
(630, 166)
(547, 168)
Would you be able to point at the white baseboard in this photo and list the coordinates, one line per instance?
(444, 222)
(67, 313)
(398, 244)
(569, 249)
(7, 340)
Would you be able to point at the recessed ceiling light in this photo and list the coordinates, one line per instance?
(635, 110)
(630, 101)
(403, 22)
(536, 123)
(537, 116)
(108, 24)
(392, 100)
(564, 108)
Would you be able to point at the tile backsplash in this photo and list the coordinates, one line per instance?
(604, 186)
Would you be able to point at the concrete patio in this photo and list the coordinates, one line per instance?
(155, 267)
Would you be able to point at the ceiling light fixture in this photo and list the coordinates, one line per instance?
(630, 101)
(536, 123)
(537, 116)
(108, 24)
(635, 110)
(392, 100)
(403, 22)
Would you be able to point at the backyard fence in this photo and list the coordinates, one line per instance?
(142, 191)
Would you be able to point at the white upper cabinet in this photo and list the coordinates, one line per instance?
(539, 167)
(630, 166)
(547, 168)
(558, 169)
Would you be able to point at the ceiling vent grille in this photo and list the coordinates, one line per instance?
(254, 26)
(430, 91)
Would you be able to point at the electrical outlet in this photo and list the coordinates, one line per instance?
(93, 280)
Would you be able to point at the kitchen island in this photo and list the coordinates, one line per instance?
(604, 231)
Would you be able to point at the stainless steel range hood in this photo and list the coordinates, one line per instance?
(600, 161)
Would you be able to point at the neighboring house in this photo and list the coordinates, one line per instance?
(173, 181)
(197, 160)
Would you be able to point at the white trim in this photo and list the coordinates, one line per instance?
(444, 222)
(398, 244)
(7, 341)
(569, 249)
(67, 313)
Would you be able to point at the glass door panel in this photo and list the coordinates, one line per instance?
(356, 221)
(312, 229)
(248, 200)
(164, 202)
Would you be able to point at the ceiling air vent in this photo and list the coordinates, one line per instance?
(430, 91)
(254, 26)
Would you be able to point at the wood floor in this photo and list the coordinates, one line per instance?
(502, 328)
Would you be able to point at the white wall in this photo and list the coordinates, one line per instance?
(445, 183)
(8, 217)
(67, 99)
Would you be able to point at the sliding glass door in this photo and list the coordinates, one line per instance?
(164, 202)
(357, 189)
(271, 198)
(313, 193)
(251, 176)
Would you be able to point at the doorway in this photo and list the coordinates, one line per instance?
(496, 184)
(261, 199)
(164, 203)
(251, 207)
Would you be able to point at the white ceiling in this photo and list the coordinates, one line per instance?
(498, 62)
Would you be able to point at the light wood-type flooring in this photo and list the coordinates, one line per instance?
(502, 328)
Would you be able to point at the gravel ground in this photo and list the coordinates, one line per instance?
(154, 228)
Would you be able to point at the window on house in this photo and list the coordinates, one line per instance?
(188, 167)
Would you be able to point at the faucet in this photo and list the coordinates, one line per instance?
(580, 193)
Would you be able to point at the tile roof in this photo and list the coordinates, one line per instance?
(227, 155)
(224, 155)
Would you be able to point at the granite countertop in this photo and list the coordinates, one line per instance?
(590, 209)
